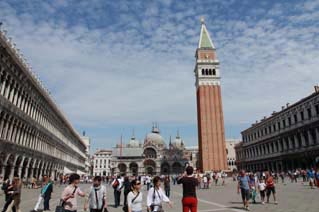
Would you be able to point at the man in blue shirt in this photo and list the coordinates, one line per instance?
(244, 188)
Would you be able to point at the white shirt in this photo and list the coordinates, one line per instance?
(261, 186)
(156, 198)
(137, 204)
(101, 194)
(205, 179)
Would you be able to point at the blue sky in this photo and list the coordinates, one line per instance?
(115, 66)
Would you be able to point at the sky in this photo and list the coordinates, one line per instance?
(118, 66)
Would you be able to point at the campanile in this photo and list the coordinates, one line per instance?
(211, 132)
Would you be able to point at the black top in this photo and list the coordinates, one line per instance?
(189, 186)
(47, 193)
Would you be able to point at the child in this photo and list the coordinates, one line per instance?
(262, 189)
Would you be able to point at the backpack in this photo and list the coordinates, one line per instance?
(116, 184)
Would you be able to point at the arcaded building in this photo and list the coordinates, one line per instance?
(287, 140)
(36, 138)
(154, 156)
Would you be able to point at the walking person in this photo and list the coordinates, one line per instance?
(127, 189)
(16, 195)
(117, 185)
(7, 187)
(45, 194)
(270, 187)
(262, 190)
(135, 197)
(148, 182)
(156, 196)
(244, 189)
(167, 186)
(96, 200)
(189, 183)
(70, 194)
(252, 185)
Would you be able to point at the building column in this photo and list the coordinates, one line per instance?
(317, 136)
(296, 141)
(27, 169)
(290, 143)
(303, 139)
(310, 138)
(13, 167)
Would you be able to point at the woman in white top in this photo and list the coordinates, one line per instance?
(156, 196)
(135, 197)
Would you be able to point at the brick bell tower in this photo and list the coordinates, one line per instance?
(211, 132)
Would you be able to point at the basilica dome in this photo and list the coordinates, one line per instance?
(178, 142)
(134, 142)
(154, 138)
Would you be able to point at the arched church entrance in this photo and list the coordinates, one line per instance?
(165, 168)
(177, 168)
(122, 167)
(150, 167)
(134, 168)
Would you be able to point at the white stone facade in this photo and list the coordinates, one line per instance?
(231, 153)
(101, 162)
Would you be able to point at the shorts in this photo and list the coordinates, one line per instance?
(245, 193)
(271, 190)
(262, 193)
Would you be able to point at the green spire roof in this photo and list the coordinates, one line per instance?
(205, 41)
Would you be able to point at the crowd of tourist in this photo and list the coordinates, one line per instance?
(250, 185)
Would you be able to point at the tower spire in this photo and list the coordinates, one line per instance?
(204, 40)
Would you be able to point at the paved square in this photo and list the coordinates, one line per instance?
(293, 197)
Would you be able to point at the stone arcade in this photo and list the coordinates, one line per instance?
(35, 136)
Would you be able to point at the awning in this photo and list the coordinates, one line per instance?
(67, 171)
(80, 172)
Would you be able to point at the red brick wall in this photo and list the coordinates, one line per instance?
(211, 135)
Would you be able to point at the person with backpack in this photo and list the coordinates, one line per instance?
(135, 197)
(156, 196)
(117, 185)
(70, 194)
(45, 194)
(97, 196)
(244, 188)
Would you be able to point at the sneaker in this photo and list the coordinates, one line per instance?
(247, 208)
(263, 203)
(276, 203)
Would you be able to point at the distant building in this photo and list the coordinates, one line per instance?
(231, 153)
(101, 161)
(153, 157)
(286, 140)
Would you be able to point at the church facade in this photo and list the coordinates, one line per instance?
(153, 157)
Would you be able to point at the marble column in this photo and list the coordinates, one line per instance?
(310, 138)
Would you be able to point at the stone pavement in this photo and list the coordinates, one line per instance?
(292, 197)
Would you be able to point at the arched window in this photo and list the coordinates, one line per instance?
(210, 71)
(214, 72)
(203, 72)
(206, 71)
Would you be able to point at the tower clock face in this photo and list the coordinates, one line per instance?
(206, 56)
